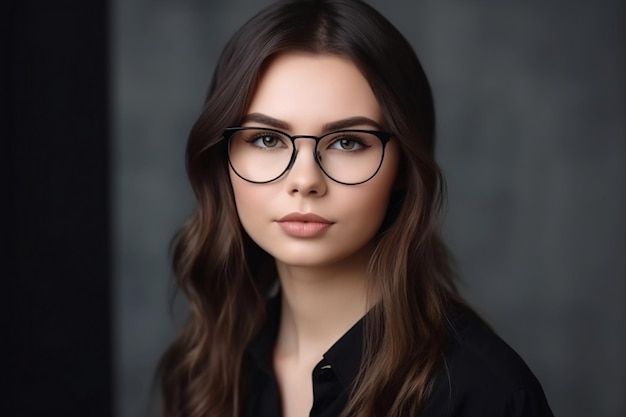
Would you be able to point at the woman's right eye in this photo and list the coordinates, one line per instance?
(267, 141)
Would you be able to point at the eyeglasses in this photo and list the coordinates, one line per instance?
(261, 155)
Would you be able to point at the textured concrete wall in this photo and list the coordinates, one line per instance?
(531, 101)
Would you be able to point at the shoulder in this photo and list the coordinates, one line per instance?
(481, 375)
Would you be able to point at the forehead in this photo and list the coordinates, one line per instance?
(308, 90)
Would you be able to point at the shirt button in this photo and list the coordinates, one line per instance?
(325, 373)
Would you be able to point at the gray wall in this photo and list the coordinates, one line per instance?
(531, 101)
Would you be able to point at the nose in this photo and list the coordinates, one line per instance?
(305, 177)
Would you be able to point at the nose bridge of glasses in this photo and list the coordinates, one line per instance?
(311, 137)
(297, 148)
(312, 150)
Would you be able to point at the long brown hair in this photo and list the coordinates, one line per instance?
(226, 276)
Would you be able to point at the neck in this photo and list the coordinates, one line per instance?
(318, 306)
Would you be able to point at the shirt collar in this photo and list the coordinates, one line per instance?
(344, 356)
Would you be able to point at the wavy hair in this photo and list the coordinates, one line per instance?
(226, 276)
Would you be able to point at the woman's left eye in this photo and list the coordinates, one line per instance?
(347, 144)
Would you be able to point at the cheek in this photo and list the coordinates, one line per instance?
(385, 181)
(368, 206)
(250, 201)
(385, 186)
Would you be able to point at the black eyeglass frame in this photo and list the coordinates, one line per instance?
(384, 138)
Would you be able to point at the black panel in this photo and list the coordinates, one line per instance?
(55, 157)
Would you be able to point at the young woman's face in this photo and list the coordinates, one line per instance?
(301, 94)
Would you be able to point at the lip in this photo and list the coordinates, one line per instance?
(304, 224)
(304, 218)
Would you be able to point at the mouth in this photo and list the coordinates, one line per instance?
(303, 218)
(304, 224)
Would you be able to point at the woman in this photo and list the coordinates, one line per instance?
(316, 275)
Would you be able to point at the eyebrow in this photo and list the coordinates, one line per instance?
(335, 125)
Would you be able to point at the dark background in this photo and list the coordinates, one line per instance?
(97, 99)
(55, 156)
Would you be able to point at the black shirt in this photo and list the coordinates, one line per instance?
(481, 376)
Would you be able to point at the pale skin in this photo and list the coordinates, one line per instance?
(322, 277)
